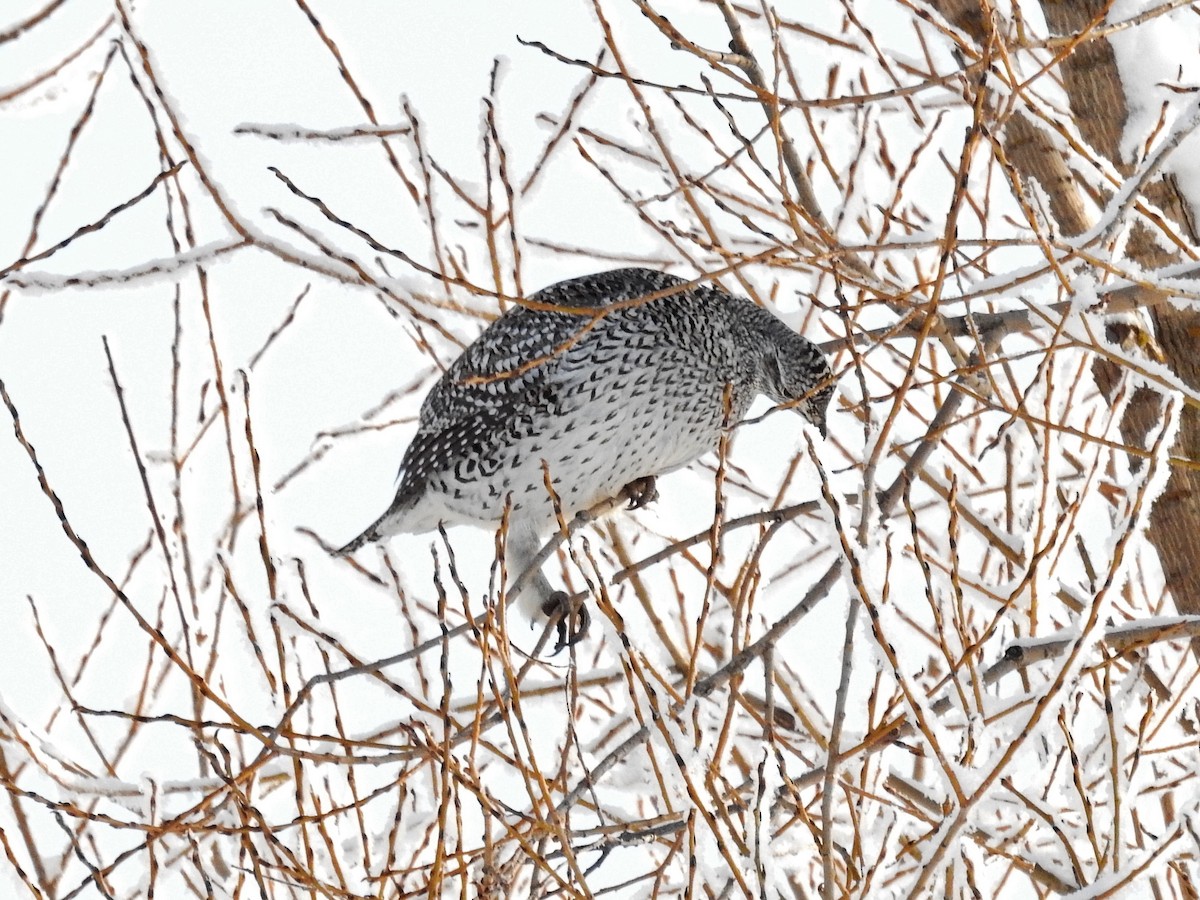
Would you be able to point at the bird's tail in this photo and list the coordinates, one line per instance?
(367, 537)
(385, 526)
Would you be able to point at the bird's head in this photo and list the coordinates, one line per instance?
(795, 372)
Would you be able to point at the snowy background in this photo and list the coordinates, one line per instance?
(137, 732)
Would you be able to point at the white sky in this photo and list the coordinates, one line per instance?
(227, 63)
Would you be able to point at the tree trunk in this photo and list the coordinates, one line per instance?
(1098, 105)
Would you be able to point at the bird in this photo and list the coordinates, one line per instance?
(599, 384)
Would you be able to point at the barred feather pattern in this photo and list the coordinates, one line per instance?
(605, 379)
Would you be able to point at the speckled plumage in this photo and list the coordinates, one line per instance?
(603, 399)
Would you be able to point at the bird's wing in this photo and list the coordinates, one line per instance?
(513, 361)
(484, 394)
(504, 380)
(512, 375)
(507, 381)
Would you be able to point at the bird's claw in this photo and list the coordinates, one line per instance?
(640, 492)
(571, 619)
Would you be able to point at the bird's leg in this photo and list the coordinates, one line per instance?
(524, 545)
(570, 616)
(572, 619)
(640, 492)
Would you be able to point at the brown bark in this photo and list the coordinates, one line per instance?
(1098, 105)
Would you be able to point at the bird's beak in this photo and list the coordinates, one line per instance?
(820, 424)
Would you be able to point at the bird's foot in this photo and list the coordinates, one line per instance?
(570, 617)
(640, 492)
